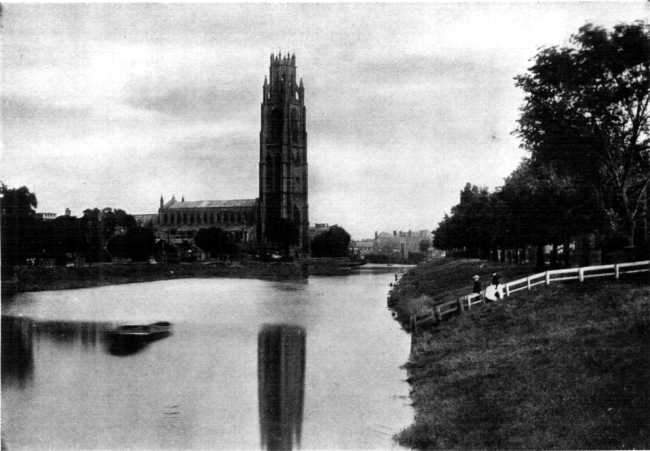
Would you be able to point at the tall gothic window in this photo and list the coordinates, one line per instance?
(295, 131)
(277, 123)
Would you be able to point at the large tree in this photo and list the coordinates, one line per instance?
(334, 242)
(21, 236)
(585, 117)
(216, 242)
(478, 223)
(99, 226)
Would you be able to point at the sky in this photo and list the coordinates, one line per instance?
(116, 105)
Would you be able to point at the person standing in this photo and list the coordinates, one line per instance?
(477, 284)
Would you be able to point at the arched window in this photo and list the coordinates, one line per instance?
(295, 125)
(184, 218)
(211, 217)
(296, 215)
(277, 123)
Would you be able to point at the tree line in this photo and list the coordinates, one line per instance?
(106, 234)
(98, 235)
(585, 126)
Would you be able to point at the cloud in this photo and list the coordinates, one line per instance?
(19, 108)
(430, 69)
(196, 102)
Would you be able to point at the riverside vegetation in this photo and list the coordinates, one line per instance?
(564, 366)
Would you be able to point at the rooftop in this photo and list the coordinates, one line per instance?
(175, 204)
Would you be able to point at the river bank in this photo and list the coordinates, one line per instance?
(62, 278)
(564, 366)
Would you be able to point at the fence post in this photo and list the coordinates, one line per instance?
(507, 290)
(548, 278)
(438, 314)
(617, 270)
(469, 302)
(528, 282)
(581, 274)
(461, 308)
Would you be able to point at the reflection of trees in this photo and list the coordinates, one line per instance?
(17, 350)
(281, 379)
(69, 332)
(19, 335)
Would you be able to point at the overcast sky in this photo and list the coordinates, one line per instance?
(114, 105)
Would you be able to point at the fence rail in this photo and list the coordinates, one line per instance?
(543, 278)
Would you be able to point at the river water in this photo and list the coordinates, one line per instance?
(250, 364)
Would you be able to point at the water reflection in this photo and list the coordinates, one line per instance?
(88, 334)
(19, 335)
(281, 385)
(17, 351)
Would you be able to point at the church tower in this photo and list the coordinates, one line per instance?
(283, 153)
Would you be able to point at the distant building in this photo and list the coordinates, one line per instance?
(46, 216)
(399, 243)
(317, 229)
(363, 247)
(180, 220)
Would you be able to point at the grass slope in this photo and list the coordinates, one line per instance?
(565, 367)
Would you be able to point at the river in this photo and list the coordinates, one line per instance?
(249, 364)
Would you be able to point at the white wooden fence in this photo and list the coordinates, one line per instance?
(543, 278)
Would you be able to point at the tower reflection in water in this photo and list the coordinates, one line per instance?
(281, 385)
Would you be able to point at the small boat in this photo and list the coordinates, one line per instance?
(150, 331)
(129, 339)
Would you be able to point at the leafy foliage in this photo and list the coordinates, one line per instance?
(334, 242)
(585, 122)
(20, 226)
(585, 117)
(216, 242)
(136, 244)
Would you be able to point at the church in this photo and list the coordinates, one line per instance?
(282, 176)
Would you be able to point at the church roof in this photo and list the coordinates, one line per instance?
(210, 203)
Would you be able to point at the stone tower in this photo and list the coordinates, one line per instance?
(283, 153)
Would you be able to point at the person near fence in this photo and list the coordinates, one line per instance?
(494, 291)
(477, 284)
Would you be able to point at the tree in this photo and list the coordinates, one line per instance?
(424, 245)
(63, 236)
(478, 223)
(21, 237)
(334, 242)
(99, 226)
(215, 242)
(545, 208)
(136, 244)
(585, 117)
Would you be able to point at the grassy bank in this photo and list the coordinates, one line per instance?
(443, 280)
(58, 278)
(566, 366)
